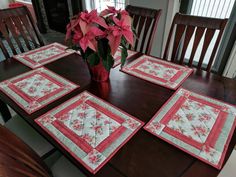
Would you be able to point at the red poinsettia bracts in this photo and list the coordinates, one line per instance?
(122, 28)
(86, 18)
(86, 29)
(88, 38)
(109, 11)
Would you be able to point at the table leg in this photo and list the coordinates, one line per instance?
(6, 115)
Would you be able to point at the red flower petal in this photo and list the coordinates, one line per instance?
(114, 42)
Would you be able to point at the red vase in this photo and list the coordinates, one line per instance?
(98, 72)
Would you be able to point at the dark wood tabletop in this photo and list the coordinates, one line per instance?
(144, 155)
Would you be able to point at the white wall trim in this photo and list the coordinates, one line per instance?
(230, 70)
(26, 2)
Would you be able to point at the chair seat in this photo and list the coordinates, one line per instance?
(64, 167)
(229, 168)
(24, 131)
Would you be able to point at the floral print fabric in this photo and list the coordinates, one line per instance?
(197, 124)
(43, 55)
(158, 71)
(90, 129)
(35, 89)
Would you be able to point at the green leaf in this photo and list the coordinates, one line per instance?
(86, 54)
(103, 48)
(119, 16)
(93, 59)
(109, 62)
(124, 55)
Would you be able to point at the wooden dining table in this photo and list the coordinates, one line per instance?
(144, 155)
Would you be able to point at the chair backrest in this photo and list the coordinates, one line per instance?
(145, 22)
(198, 29)
(18, 159)
(18, 30)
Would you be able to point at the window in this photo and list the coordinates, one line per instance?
(209, 8)
(212, 8)
(102, 4)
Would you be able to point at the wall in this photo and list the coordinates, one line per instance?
(173, 7)
(4, 4)
(230, 70)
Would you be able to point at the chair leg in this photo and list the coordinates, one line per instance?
(6, 115)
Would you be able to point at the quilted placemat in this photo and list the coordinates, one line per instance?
(90, 129)
(158, 71)
(43, 55)
(198, 125)
(36, 89)
(117, 56)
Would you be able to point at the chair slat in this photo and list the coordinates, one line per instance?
(6, 36)
(18, 30)
(188, 35)
(199, 26)
(28, 28)
(216, 46)
(207, 39)
(135, 20)
(146, 28)
(179, 34)
(197, 38)
(145, 22)
(19, 26)
(139, 30)
(4, 49)
(12, 29)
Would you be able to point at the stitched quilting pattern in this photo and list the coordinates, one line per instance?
(199, 125)
(35, 89)
(43, 55)
(90, 129)
(158, 71)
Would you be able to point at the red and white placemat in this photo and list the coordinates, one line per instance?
(43, 55)
(36, 89)
(90, 129)
(158, 71)
(117, 56)
(198, 125)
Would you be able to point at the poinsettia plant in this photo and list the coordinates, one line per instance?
(98, 36)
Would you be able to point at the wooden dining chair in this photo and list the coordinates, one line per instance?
(201, 30)
(18, 34)
(18, 31)
(30, 136)
(145, 22)
(17, 159)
